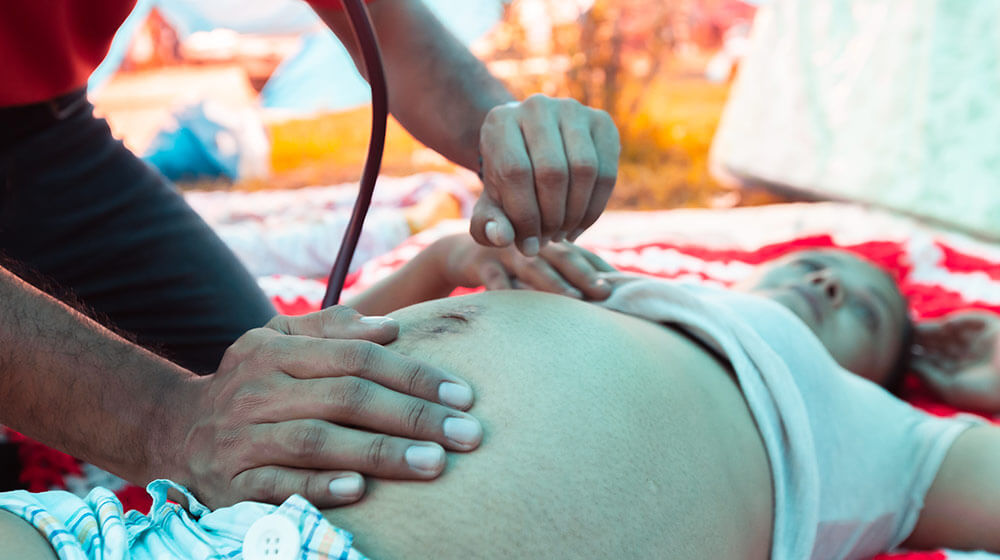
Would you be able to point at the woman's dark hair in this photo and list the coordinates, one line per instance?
(901, 366)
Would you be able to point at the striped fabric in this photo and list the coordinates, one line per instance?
(94, 527)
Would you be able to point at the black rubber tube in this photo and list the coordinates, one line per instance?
(364, 35)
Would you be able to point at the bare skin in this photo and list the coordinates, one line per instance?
(595, 432)
(21, 540)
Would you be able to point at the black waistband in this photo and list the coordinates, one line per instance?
(19, 121)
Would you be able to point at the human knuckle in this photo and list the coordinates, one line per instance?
(585, 168)
(377, 453)
(537, 99)
(513, 173)
(551, 175)
(606, 179)
(258, 335)
(601, 116)
(418, 414)
(245, 344)
(569, 102)
(277, 323)
(523, 216)
(352, 395)
(335, 316)
(264, 485)
(307, 441)
(415, 377)
(358, 356)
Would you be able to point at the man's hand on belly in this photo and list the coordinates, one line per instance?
(308, 404)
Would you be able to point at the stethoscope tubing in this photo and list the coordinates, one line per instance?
(364, 35)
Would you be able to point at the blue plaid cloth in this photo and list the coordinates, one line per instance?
(94, 528)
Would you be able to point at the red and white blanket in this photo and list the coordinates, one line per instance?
(939, 272)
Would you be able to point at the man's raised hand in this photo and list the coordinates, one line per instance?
(549, 167)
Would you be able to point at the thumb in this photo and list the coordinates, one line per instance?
(339, 322)
(489, 225)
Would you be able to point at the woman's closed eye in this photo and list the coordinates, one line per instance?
(809, 265)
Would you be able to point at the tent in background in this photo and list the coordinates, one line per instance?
(320, 76)
(889, 102)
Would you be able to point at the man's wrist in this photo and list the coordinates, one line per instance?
(167, 449)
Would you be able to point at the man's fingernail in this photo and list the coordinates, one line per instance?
(347, 486)
(466, 432)
(531, 246)
(428, 459)
(376, 321)
(455, 395)
(576, 233)
(493, 233)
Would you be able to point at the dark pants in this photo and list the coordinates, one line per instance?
(87, 214)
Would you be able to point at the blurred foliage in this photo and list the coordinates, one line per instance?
(643, 63)
(638, 60)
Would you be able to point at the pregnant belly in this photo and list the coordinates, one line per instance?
(605, 436)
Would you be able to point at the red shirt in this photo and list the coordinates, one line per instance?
(50, 47)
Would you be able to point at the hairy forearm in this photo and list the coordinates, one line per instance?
(420, 279)
(72, 384)
(438, 90)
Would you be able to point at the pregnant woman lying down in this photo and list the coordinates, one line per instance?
(674, 421)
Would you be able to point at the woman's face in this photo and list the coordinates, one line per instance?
(853, 307)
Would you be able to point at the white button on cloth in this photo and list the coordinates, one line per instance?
(272, 537)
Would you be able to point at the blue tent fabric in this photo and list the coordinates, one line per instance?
(321, 76)
(119, 45)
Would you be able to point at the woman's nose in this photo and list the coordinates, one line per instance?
(829, 285)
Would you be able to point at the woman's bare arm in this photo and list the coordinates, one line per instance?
(962, 508)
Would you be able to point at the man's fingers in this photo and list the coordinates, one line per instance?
(339, 322)
(508, 175)
(608, 147)
(549, 168)
(310, 358)
(583, 167)
(318, 445)
(364, 404)
(489, 226)
(275, 484)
